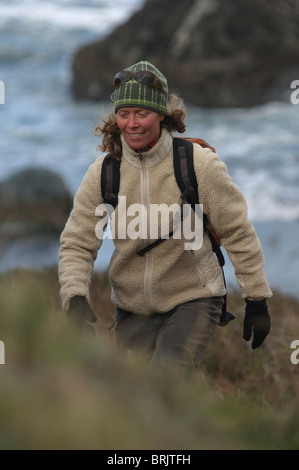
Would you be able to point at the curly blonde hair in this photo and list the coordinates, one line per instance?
(111, 142)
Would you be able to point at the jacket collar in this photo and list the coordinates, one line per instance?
(151, 157)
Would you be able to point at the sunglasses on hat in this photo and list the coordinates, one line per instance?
(142, 76)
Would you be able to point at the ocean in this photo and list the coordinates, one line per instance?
(42, 125)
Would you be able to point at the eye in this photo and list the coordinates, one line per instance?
(143, 114)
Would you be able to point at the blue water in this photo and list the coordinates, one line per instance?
(41, 124)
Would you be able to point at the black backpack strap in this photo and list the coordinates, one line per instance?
(216, 248)
(184, 170)
(186, 179)
(152, 245)
(110, 178)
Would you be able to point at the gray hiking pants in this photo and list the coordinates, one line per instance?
(179, 337)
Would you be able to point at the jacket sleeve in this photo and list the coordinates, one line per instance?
(226, 209)
(78, 242)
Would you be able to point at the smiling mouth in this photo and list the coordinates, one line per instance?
(136, 135)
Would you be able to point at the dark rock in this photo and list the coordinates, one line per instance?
(33, 201)
(214, 53)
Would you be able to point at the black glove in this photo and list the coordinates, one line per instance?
(80, 313)
(257, 319)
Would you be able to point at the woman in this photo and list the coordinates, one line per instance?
(169, 301)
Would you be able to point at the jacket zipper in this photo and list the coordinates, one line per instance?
(148, 294)
(200, 273)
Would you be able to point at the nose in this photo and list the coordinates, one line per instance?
(132, 121)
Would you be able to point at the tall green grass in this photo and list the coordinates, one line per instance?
(60, 389)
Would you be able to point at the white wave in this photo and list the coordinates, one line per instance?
(90, 15)
(260, 147)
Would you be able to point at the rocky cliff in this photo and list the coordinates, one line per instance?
(33, 201)
(215, 53)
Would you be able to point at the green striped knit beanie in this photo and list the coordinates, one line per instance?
(132, 93)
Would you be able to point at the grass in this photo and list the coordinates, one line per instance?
(63, 390)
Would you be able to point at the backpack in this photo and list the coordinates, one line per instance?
(186, 181)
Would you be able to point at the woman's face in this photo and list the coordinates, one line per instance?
(139, 126)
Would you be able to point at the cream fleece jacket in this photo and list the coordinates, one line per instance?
(168, 275)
